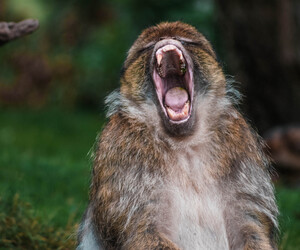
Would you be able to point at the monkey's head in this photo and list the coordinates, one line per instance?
(174, 66)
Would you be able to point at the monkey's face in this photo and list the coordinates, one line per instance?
(170, 64)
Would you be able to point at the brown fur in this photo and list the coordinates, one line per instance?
(151, 187)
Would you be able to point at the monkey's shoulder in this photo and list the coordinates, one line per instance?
(236, 134)
(128, 141)
(236, 143)
(124, 131)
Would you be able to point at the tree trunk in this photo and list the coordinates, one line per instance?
(261, 48)
(10, 31)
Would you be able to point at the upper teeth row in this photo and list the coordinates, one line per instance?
(169, 47)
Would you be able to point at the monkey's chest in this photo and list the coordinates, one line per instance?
(197, 220)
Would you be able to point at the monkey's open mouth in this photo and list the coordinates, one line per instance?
(173, 81)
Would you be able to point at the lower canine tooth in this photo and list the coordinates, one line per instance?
(177, 116)
(171, 112)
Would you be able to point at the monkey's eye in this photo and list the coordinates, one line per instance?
(186, 41)
(183, 42)
(147, 47)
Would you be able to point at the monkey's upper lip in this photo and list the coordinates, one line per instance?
(173, 81)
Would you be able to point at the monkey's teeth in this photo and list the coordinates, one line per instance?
(158, 58)
(181, 115)
(181, 57)
(168, 47)
(159, 70)
(159, 53)
(183, 68)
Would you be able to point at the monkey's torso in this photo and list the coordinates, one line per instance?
(177, 167)
(180, 193)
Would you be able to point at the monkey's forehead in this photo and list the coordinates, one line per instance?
(177, 30)
(169, 29)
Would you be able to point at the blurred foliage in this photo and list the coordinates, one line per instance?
(289, 219)
(21, 229)
(75, 57)
(44, 160)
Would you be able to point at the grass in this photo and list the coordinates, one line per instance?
(44, 160)
(20, 228)
(44, 180)
(289, 220)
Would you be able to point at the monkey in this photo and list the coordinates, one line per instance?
(177, 166)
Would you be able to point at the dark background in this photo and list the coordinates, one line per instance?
(53, 83)
(73, 61)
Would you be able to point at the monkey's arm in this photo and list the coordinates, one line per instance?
(152, 241)
(251, 211)
(127, 222)
(250, 222)
(126, 188)
(260, 235)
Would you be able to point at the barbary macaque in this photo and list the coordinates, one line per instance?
(177, 166)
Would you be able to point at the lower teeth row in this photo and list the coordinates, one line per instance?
(182, 69)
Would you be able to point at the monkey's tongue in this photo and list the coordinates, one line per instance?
(177, 103)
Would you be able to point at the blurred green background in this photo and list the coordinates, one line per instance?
(53, 82)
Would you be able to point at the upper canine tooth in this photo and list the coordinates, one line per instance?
(160, 52)
(158, 58)
(181, 56)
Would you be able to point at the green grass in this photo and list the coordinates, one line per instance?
(289, 219)
(44, 159)
(20, 228)
(44, 180)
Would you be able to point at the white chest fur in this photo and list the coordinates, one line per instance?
(196, 206)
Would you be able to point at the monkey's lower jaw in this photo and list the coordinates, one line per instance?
(173, 82)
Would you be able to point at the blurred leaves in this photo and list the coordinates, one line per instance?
(21, 229)
(82, 45)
